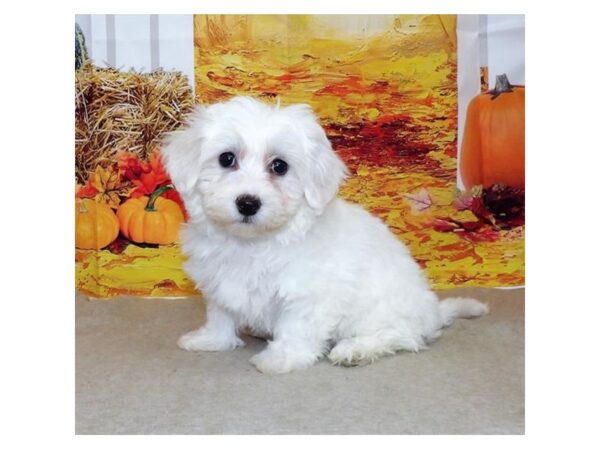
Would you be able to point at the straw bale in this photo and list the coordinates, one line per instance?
(129, 111)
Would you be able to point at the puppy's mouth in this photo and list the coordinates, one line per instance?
(247, 219)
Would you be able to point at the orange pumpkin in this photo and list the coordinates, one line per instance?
(150, 220)
(493, 145)
(96, 225)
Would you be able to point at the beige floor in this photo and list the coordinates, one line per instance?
(132, 379)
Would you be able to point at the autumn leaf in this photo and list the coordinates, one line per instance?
(499, 205)
(87, 191)
(478, 208)
(463, 203)
(444, 225)
(449, 224)
(419, 201)
(109, 187)
(464, 199)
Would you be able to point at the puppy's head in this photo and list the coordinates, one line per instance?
(249, 168)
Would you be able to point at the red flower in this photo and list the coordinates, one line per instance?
(146, 176)
(131, 167)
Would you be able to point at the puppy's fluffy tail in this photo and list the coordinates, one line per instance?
(461, 307)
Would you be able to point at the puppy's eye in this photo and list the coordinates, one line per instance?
(279, 167)
(227, 159)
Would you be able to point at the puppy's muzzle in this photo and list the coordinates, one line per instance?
(247, 205)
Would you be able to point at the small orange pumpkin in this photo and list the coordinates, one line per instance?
(493, 145)
(96, 225)
(150, 220)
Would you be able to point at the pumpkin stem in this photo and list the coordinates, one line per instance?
(157, 193)
(502, 86)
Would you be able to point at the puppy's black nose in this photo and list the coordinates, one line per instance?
(248, 205)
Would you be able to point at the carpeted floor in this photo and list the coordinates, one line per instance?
(132, 379)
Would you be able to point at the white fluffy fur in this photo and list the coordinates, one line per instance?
(316, 274)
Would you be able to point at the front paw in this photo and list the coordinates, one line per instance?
(278, 361)
(208, 341)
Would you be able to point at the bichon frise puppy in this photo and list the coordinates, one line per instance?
(274, 250)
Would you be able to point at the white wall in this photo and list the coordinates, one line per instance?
(144, 42)
(506, 47)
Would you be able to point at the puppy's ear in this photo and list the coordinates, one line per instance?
(181, 153)
(325, 170)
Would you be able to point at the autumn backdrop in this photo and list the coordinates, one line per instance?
(385, 90)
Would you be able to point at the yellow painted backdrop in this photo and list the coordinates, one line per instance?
(385, 89)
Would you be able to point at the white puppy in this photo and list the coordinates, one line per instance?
(273, 250)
